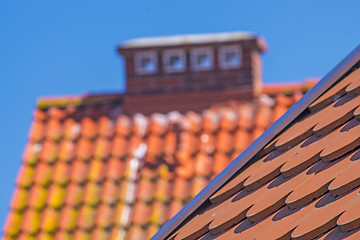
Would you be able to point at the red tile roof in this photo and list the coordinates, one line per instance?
(306, 185)
(90, 172)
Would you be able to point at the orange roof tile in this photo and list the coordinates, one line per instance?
(304, 184)
(83, 177)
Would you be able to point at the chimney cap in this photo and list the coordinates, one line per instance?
(187, 39)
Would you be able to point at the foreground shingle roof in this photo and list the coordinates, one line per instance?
(304, 184)
(90, 172)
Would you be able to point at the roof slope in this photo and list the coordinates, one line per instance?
(90, 172)
(304, 184)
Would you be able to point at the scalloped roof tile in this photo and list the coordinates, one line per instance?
(305, 185)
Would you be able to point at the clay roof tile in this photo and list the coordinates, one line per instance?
(159, 123)
(54, 130)
(49, 220)
(61, 173)
(141, 125)
(37, 132)
(228, 119)
(88, 128)
(211, 120)
(123, 125)
(104, 217)
(72, 129)
(57, 113)
(37, 197)
(40, 115)
(19, 199)
(106, 127)
(192, 122)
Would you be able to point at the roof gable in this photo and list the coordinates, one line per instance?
(278, 166)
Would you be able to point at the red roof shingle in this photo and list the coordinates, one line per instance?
(306, 185)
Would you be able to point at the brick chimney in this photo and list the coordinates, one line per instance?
(191, 72)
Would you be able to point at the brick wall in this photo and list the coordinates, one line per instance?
(247, 77)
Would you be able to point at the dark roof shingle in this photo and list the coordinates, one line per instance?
(305, 186)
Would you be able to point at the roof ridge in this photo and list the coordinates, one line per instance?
(289, 87)
(96, 99)
(87, 99)
(339, 71)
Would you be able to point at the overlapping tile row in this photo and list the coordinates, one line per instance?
(305, 186)
(82, 179)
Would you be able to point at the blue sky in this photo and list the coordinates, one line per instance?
(69, 47)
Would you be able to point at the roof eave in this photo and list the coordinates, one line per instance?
(325, 83)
